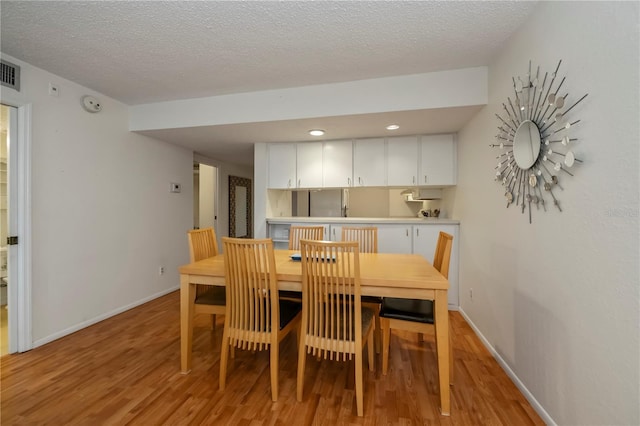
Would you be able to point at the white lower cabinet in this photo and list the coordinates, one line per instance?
(336, 232)
(394, 238)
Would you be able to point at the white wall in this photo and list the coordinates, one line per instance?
(452, 88)
(103, 219)
(558, 299)
(368, 202)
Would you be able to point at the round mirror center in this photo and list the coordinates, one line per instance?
(526, 144)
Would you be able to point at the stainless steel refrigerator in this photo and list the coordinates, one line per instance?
(320, 203)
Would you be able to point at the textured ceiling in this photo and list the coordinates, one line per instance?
(141, 52)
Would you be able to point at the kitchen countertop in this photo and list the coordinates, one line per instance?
(399, 220)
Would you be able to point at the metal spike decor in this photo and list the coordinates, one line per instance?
(529, 124)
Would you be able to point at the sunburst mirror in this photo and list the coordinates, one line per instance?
(534, 135)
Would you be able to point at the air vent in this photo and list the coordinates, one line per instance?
(10, 75)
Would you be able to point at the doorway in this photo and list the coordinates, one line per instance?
(205, 196)
(4, 228)
(7, 137)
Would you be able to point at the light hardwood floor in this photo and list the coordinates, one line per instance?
(125, 370)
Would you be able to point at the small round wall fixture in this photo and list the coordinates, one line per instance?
(316, 132)
(91, 104)
(534, 137)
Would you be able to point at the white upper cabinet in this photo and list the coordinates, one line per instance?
(282, 165)
(402, 161)
(309, 165)
(337, 164)
(369, 162)
(437, 160)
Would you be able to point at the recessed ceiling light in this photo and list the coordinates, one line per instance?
(393, 127)
(316, 132)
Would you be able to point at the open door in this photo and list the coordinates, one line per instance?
(205, 197)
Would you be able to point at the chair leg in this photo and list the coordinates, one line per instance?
(377, 331)
(302, 358)
(450, 358)
(375, 307)
(273, 352)
(370, 349)
(224, 358)
(359, 380)
(386, 334)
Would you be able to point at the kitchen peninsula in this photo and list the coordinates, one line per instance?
(395, 235)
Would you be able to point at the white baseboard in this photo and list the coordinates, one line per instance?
(528, 395)
(99, 318)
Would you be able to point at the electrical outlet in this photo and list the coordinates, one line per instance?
(175, 187)
(161, 270)
(471, 293)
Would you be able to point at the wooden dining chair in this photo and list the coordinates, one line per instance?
(413, 314)
(297, 233)
(209, 299)
(334, 324)
(367, 238)
(256, 319)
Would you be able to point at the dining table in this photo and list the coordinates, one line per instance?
(408, 276)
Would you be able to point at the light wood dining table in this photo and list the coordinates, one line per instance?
(382, 274)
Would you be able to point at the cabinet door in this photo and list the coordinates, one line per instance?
(368, 162)
(336, 232)
(282, 165)
(438, 160)
(394, 239)
(309, 165)
(425, 239)
(402, 161)
(337, 164)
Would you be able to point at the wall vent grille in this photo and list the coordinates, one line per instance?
(9, 75)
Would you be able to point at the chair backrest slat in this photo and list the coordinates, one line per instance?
(366, 236)
(442, 256)
(331, 302)
(297, 233)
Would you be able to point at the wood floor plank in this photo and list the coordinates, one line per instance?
(126, 371)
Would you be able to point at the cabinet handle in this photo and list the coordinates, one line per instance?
(425, 178)
(417, 232)
(289, 184)
(299, 183)
(359, 180)
(407, 231)
(413, 180)
(348, 181)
